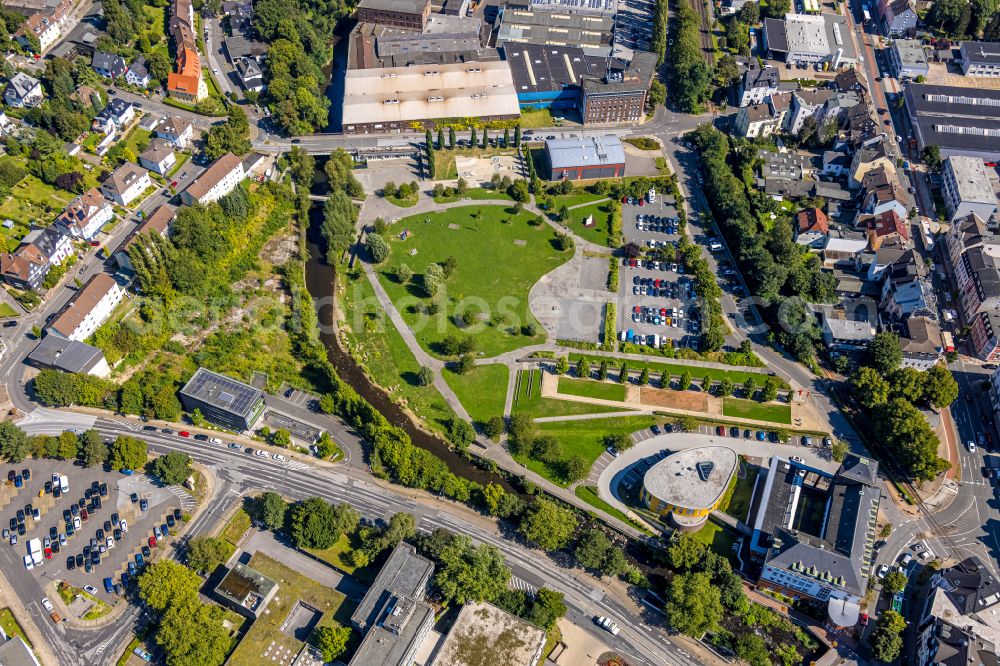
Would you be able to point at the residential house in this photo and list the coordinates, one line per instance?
(896, 17)
(980, 58)
(157, 223)
(881, 192)
(835, 163)
(88, 309)
(250, 74)
(877, 261)
(843, 246)
(24, 268)
(44, 28)
(958, 621)
(973, 251)
(826, 561)
(138, 73)
(23, 91)
(158, 157)
(846, 334)
(758, 83)
(907, 59)
(215, 182)
(887, 228)
(68, 356)
(115, 116)
(867, 159)
(109, 65)
(789, 166)
(811, 228)
(126, 183)
(984, 335)
(922, 345)
(906, 290)
(85, 215)
(968, 187)
(848, 80)
(177, 131)
(806, 104)
(755, 120)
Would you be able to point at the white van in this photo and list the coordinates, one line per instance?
(651, 195)
(64, 483)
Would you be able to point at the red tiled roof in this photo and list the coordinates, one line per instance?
(812, 219)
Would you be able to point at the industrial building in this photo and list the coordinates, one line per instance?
(409, 14)
(619, 96)
(960, 121)
(69, 356)
(556, 27)
(393, 98)
(584, 158)
(827, 560)
(810, 39)
(547, 77)
(222, 400)
(980, 58)
(687, 485)
(246, 590)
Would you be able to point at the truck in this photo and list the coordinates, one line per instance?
(947, 341)
(64, 483)
(35, 550)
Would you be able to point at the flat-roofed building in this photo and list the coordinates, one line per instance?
(246, 590)
(391, 99)
(967, 188)
(807, 38)
(15, 652)
(409, 14)
(689, 484)
(547, 77)
(556, 27)
(483, 629)
(223, 400)
(960, 121)
(585, 158)
(619, 95)
(907, 59)
(980, 58)
(88, 309)
(69, 356)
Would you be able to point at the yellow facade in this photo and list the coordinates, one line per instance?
(655, 505)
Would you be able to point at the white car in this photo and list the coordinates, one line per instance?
(262, 453)
(46, 604)
(797, 459)
(279, 457)
(124, 525)
(608, 625)
(971, 446)
(76, 523)
(110, 542)
(883, 570)
(28, 564)
(62, 539)
(215, 440)
(90, 589)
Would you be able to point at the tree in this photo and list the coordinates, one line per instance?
(838, 450)
(270, 509)
(583, 368)
(92, 449)
(206, 553)
(465, 364)
(657, 94)
(14, 444)
(486, 139)
(493, 428)
(686, 552)
(468, 573)
(693, 606)
(644, 376)
(750, 13)
(460, 433)
(403, 274)
(886, 640)
(906, 433)
(623, 373)
(592, 548)
(127, 453)
(602, 370)
(562, 365)
(548, 525)
(576, 468)
(173, 468)
(725, 387)
(331, 641)
(315, 523)
(894, 581)
(451, 137)
(165, 583)
(752, 649)
(870, 388)
(191, 633)
(517, 136)
(940, 387)
(770, 390)
(425, 377)
(433, 279)
(931, 156)
(618, 441)
(378, 249)
(684, 383)
(884, 352)
(232, 136)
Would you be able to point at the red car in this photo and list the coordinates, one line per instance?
(93, 243)
(663, 312)
(637, 309)
(864, 619)
(173, 184)
(48, 553)
(83, 514)
(152, 542)
(184, 433)
(624, 199)
(720, 431)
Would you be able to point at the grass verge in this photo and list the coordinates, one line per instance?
(482, 390)
(769, 412)
(588, 388)
(236, 527)
(11, 626)
(528, 400)
(675, 369)
(589, 495)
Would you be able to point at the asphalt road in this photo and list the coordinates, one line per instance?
(238, 473)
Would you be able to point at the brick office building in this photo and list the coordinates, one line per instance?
(620, 95)
(407, 14)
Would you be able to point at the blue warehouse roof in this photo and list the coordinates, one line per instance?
(585, 151)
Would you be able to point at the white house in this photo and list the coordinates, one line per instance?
(84, 216)
(117, 114)
(177, 131)
(126, 183)
(137, 74)
(159, 157)
(51, 242)
(88, 309)
(215, 182)
(23, 91)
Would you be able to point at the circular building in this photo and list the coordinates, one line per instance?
(689, 484)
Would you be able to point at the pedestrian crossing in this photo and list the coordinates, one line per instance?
(523, 585)
(188, 503)
(298, 464)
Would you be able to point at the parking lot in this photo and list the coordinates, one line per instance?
(103, 523)
(655, 298)
(633, 27)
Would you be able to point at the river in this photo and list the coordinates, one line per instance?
(320, 280)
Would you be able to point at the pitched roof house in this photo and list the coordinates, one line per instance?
(85, 215)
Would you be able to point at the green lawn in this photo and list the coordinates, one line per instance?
(528, 400)
(675, 368)
(137, 140)
(31, 200)
(589, 388)
(7, 311)
(236, 527)
(717, 537)
(407, 202)
(598, 232)
(739, 502)
(379, 348)
(771, 412)
(575, 198)
(492, 277)
(293, 588)
(589, 495)
(10, 625)
(339, 556)
(580, 438)
(482, 390)
(182, 159)
(535, 118)
(476, 194)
